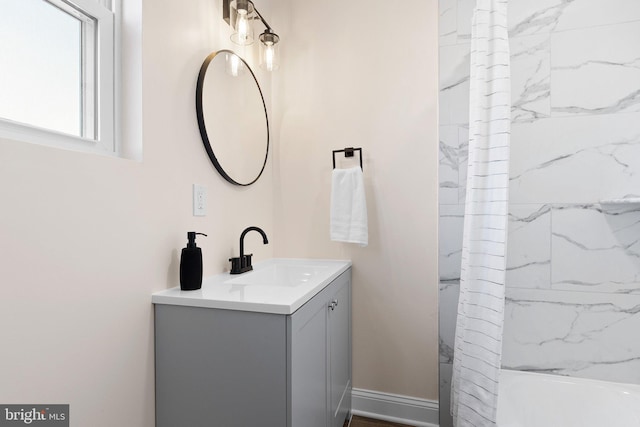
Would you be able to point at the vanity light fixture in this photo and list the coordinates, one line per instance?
(269, 50)
(243, 34)
(239, 14)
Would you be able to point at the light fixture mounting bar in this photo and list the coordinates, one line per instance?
(227, 12)
(267, 26)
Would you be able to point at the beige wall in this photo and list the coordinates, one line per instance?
(364, 74)
(85, 240)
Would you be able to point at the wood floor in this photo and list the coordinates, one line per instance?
(368, 422)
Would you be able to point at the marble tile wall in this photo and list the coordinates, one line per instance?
(573, 269)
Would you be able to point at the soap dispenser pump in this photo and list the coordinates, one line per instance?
(191, 264)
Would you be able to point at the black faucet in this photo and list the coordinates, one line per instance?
(242, 264)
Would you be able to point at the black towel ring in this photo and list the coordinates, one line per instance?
(348, 152)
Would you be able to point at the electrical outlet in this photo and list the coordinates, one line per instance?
(199, 200)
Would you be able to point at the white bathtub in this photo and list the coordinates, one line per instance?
(540, 400)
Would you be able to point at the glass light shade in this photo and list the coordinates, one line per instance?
(269, 58)
(243, 34)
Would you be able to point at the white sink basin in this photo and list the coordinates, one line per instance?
(274, 286)
(280, 274)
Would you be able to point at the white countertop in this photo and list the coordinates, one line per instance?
(279, 285)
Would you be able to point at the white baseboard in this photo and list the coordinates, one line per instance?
(395, 408)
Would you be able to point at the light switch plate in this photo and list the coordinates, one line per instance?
(199, 200)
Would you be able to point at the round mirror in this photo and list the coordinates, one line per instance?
(232, 117)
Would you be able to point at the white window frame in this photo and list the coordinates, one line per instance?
(99, 101)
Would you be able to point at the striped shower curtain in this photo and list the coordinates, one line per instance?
(478, 342)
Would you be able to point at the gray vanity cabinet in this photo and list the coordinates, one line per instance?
(232, 368)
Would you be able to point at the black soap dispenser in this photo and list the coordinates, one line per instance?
(191, 264)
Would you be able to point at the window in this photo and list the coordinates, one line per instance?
(57, 73)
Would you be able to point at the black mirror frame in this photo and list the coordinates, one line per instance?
(201, 124)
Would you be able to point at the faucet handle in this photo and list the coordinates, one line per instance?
(236, 265)
(246, 262)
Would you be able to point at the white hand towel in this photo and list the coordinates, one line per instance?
(348, 207)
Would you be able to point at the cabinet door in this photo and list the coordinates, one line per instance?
(340, 352)
(308, 392)
(219, 368)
